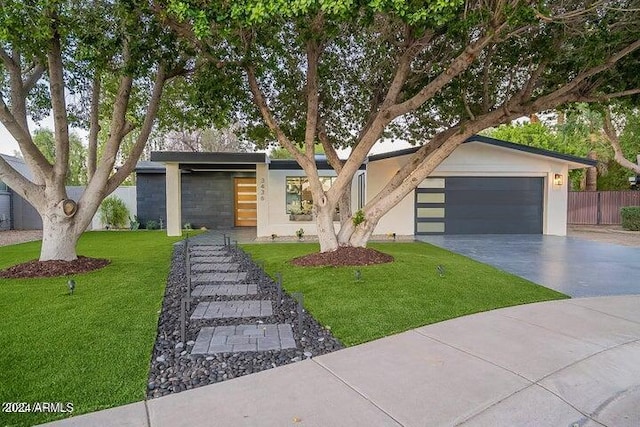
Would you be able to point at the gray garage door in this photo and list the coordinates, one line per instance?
(480, 205)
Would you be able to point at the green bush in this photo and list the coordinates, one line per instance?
(114, 213)
(630, 218)
(153, 225)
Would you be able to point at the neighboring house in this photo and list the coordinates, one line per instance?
(18, 214)
(486, 186)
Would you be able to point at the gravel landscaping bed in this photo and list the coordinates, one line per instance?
(174, 369)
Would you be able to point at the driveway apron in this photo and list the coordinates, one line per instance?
(576, 267)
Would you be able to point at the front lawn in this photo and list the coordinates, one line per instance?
(395, 297)
(93, 348)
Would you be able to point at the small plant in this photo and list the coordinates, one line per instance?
(113, 212)
(274, 236)
(188, 226)
(630, 218)
(300, 233)
(152, 225)
(134, 224)
(358, 217)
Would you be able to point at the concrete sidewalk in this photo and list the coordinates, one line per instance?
(562, 363)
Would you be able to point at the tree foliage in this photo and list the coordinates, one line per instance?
(209, 140)
(580, 131)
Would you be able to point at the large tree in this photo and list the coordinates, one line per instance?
(347, 74)
(85, 63)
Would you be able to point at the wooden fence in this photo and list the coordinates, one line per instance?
(599, 207)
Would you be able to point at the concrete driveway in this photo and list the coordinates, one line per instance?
(576, 267)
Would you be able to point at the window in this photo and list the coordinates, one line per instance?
(298, 193)
(3, 186)
(361, 191)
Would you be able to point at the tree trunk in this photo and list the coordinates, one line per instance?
(326, 231)
(591, 182)
(362, 233)
(59, 237)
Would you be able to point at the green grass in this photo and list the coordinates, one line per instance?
(93, 348)
(398, 296)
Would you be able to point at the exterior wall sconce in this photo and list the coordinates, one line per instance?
(557, 180)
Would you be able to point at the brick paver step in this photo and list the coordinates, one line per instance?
(209, 278)
(222, 339)
(212, 290)
(215, 266)
(229, 309)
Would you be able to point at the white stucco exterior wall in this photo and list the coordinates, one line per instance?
(272, 216)
(476, 159)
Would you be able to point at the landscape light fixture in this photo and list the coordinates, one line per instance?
(557, 179)
(72, 285)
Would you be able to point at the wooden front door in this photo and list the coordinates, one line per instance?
(246, 202)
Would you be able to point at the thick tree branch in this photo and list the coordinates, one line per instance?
(457, 66)
(147, 125)
(33, 78)
(21, 185)
(8, 61)
(94, 126)
(403, 68)
(58, 105)
(614, 141)
(608, 64)
(33, 156)
(261, 103)
(386, 116)
(313, 55)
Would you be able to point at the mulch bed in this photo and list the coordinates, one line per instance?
(53, 268)
(343, 256)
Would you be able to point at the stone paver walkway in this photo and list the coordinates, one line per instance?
(213, 273)
(205, 278)
(202, 264)
(229, 309)
(223, 339)
(222, 267)
(200, 253)
(213, 290)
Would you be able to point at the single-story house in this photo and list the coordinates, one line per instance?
(485, 186)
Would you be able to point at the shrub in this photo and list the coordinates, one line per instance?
(153, 225)
(358, 217)
(630, 218)
(114, 213)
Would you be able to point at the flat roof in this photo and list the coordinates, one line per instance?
(144, 166)
(497, 143)
(289, 164)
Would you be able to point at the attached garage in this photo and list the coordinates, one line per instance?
(486, 186)
(480, 205)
